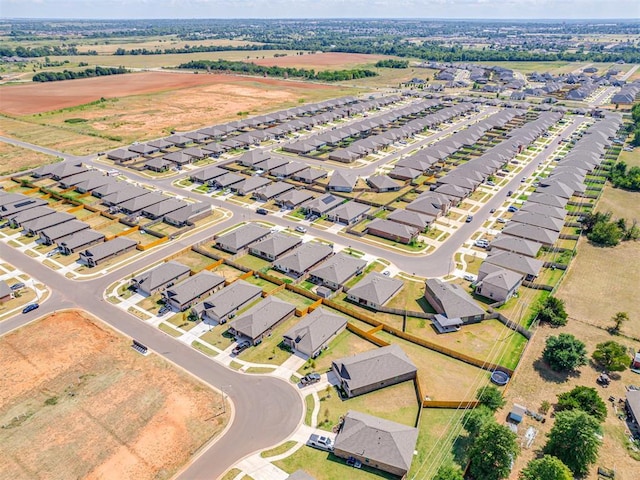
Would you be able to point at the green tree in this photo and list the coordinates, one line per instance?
(449, 472)
(611, 356)
(575, 439)
(492, 452)
(477, 418)
(564, 352)
(585, 399)
(546, 468)
(618, 319)
(553, 312)
(607, 234)
(491, 397)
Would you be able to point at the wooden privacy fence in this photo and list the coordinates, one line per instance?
(156, 242)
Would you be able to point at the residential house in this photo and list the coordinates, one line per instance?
(136, 205)
(376, 443)
(178, 158)
(497, 283)
(527, 266)
(27, 215)
(374, 290)
(336, 271)
(530, 232)
(452, 301)
(288, 169)
(348, 213)
(92, 183)
(52, 235)
(241, 237)
(322, 205)
(273, 190)
(225, 303)
(187, 215)
(193, 289)
(259, 321)
(207, 175)
(158, 165)
(157, 279)
(293, 198)
(109, 188)
(313, 333)
(383, 183)
(6, 293)
(271, 164)
(412, 219)
(121, 196)
(538, 220)
(390, 230)
(517, 245)
(226, 180)
(302, 259)
(122, 155)
(342, 181)
(6, 211)
(633, 405)
(80, 241)
(35, 226)
(250, 184)
(274, 246)
(102, 252)
(144, 149)
(309, 175)
(404, 173)
(158, 210)
(374, 369)
(253, 157)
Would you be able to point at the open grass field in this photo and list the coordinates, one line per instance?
(16, 159)
(540, 67)
(194, 260)
(344, 345)
(322, 61)
(632, 159)
(101, 409)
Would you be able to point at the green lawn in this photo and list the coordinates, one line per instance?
(279, 450)
(218, 337)
(253, 262)
(372, 267)
(410, 297)
(266, 285)
(269, 351)
(194, 260)
(291, 297)
(344, 345)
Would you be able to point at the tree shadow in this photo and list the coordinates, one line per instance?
(460, 447)
(552, 376)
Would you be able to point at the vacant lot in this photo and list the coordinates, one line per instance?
(101, 409)
(321, 61)
(16, 159)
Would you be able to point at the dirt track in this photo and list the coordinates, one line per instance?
(101, 409)
(43, 97)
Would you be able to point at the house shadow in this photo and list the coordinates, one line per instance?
(549, 375)
(460, 447)
(370, 470)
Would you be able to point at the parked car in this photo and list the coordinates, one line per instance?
(17, 286)
(512, 209)
(354, 462)
(241, 347)
(493, 210)
(310, 379)
(501, 220)
(386, 273)
(262, 211)
(491, 184)
(31, 306)
(509, 193)
(301, 229)
(470, 278)
(321, 442)
(164, 310)
(469, 219)
(482, 243)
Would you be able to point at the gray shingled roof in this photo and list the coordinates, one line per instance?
(160, 275)
(349, 210)
(305, 256)
(538, 220)
(243, 236)
(392, 228)
(124, 194)
(5, 290)
(530, 232)
(517, 263)
(374, 366)
(315, 329)
(62, 230)
(342, 179)
(455, 302)
(296, 197)
(106, 249)
(229, 298)
(517, 245)
(39, 224)
(194, 286)
(490, 274)
(324, 203)
(83, 237)
(276, 244)
(339, 268)
(413, 219)
(262, 316)
(143, 201)
(376, 288)
(31, 214)
(167, 206)
(382, 182)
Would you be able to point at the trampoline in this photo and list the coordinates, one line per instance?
(500, 378)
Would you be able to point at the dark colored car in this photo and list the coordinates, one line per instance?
(241, 347)
(164, 310)
(310, 378)
(509, 193)
(512, 209)
(17, 286)
(469, 218)
(31, 306)
(262, 211)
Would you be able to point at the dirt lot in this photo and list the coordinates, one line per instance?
(15, 159)
(321, 61)
(37, 98)
(101, 409)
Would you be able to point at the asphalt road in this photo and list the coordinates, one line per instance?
(267, 409)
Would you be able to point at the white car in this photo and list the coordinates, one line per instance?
(301, 229)
(320, 442)
(470, 278)
(481, 243)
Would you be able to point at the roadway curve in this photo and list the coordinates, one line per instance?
(267, 409)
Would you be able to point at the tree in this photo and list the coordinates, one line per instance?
(491, 397)
(564, 352)
(553, 312)
(611, 356)
(492, 452)
(618, 319)
(546, 468)
(449, 472)
(585, 399)
(477, 418)
(607, 234)
(575, 439)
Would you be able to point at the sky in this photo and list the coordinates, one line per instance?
(492, 9)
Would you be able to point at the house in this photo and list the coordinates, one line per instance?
(187, 215)
(517, 245)
(530, 232)
(443, 324)
(160, 277)
(376, 443)
(242, 237)
(224, 303)
(342, 181)
(178, 140)
(52, 235)
(293, 198)
(144, 149)
(372, 370)
(73, 180)
(309, 175)
(527, 266)
(274, 246)
(348, 212)
(207, 175)
(313, 333)
(636, 361)
(252, 157)
(135, 205)
(404, 173)
(322, 205)
(538, 220)
(122, 155)
(109, 188)
(35, 226)
(178, 158)
(193, 289)
(249, 185)
(497, 283)
(302, 259)
(388, 229)
(452, 301)
(374, 290)
(546, 199)
(104, 251)
(80, 241)
(336, 271)
(6, 293)
(412, 219)
(121, 196)
(16, 207)
(92, 183)
(383, 183)
(158, 165)
(288, 169)
(273, 190)
(260, 320)
(226, 180)
(158, 210)
(27, 215)
(633, 405)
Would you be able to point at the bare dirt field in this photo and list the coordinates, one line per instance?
(77, 402)
(16, 159)
(37, 98)
(322, 61)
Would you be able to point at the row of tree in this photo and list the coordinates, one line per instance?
(602, 230)
(195, 49)
(41, 51)
(273, 71)
(392, 63)
(72, 75)
(623, 177)
(635, 128)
